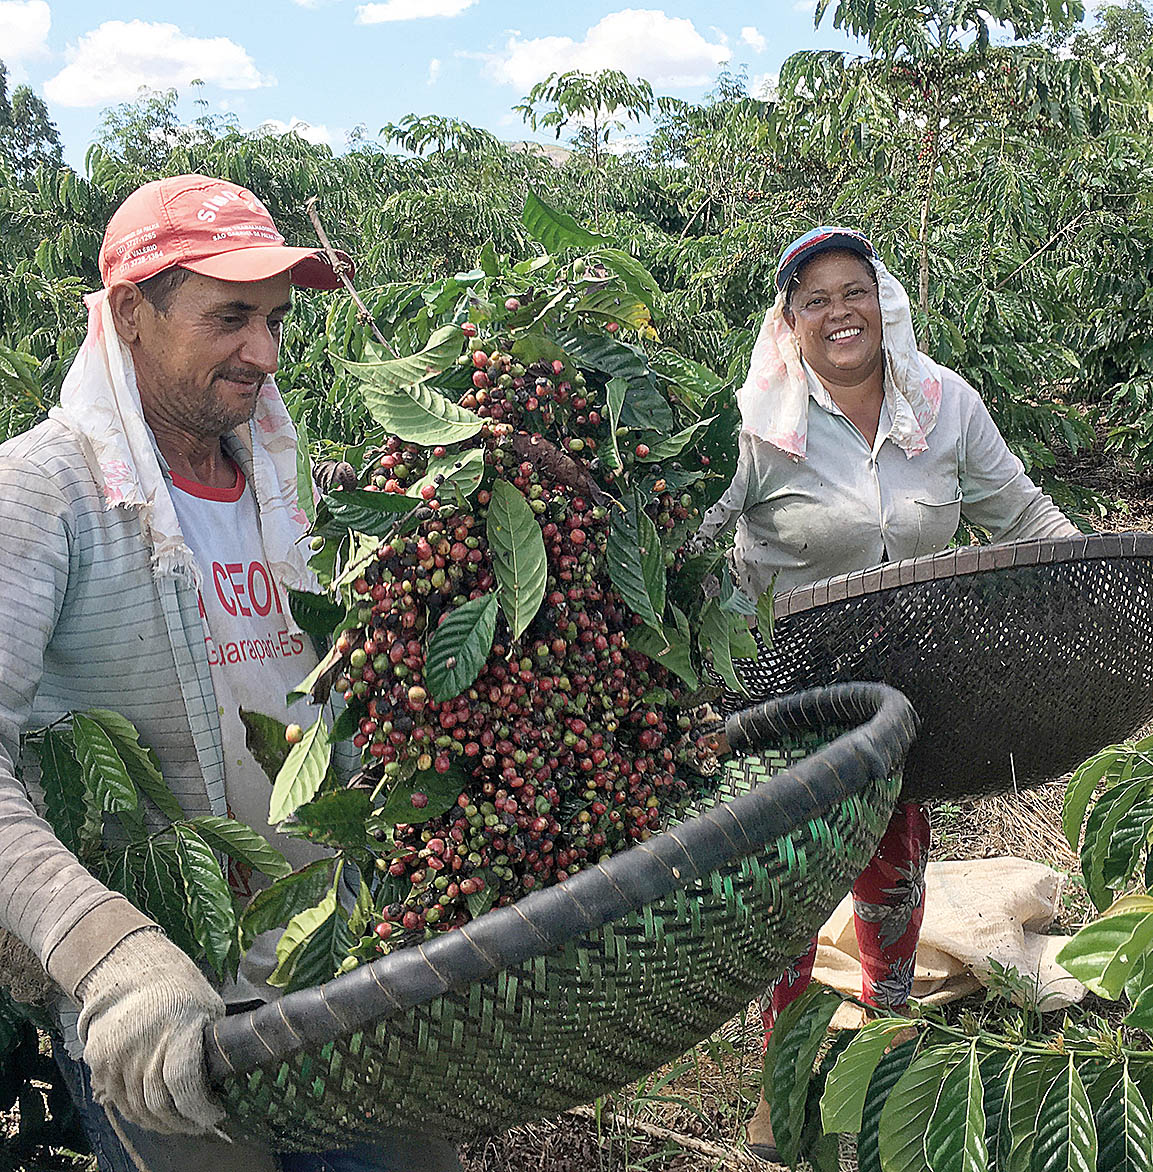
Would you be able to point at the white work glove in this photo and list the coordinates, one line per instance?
(143, 1012)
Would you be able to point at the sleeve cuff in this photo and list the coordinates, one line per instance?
(91, 939)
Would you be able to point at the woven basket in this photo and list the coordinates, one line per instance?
(1021, 659)
(586, 986)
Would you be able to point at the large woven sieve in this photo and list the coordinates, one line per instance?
(585, 986)
(1021, 659)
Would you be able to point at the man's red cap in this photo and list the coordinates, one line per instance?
(210, 226)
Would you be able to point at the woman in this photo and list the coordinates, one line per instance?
(857, 449)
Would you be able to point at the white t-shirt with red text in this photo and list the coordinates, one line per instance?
(256, 654)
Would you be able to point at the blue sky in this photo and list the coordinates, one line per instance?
(337, 64)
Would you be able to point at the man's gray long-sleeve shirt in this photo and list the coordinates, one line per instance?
(85, 623)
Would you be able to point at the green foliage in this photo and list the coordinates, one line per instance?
(1066, 1139)
(313, 944)
(441, 790)
(1125, 1131)
(278, 903)
(105, 773)
(73, 815)
(421, 415)
(207, 898)
(554, 229)
(449, 475)
(1010, 1093)
(886, 1075)
(460, 645)
(336, 819)
(1119, 827)
(594, 96)
(909, 1108)
(955, 1136)
(28, 137)
(518, 556)
(966, 1099)
(301, 774)
(843, 1102)
(93, 763)
(789, 1059)
(639, 579)
(396, 374)
(374, 513)
(230, 837)
(140, 762)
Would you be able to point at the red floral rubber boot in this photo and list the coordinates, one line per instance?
(888, 907)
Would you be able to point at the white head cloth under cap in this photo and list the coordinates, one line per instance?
(100, 401)
(774, 400)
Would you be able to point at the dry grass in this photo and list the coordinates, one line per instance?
(688, 1117)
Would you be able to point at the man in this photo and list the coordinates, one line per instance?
(149, 527)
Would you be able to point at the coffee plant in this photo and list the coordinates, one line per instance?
(517, 633)
(108, 803)
(1002, 1092)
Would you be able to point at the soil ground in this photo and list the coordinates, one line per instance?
(690, 1116)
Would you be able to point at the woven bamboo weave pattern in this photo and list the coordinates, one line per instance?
(588, 985)
(1022, 659)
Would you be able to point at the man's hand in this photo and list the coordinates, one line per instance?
(330, 474)
(143, 1012)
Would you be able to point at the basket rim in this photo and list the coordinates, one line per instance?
(882, 727)
(956, 563)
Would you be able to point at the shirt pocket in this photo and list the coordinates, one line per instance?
(937, 522)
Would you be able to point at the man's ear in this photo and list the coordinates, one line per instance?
(789, 317)
(127, 304)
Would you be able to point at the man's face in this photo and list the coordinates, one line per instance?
(201, 365)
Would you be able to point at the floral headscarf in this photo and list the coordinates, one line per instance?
(774, 400)
(100, 401)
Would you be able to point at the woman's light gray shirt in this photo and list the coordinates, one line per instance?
(849, 505)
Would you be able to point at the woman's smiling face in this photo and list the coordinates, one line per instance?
(836, 315)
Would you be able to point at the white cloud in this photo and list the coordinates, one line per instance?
(112, 62)
(317, 135)
(24, 26)
(753, 38)
(805, 6)
(433, 70)
(409, 10)
(763, 86)
(665, 50)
